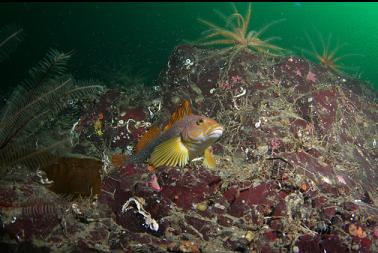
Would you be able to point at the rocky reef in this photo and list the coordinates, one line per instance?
(296, 167)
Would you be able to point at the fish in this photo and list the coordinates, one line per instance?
(186, 136)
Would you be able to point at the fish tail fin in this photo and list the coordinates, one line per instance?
(147, 138)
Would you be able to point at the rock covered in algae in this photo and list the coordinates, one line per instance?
(296, 167)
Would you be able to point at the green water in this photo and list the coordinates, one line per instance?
(142, 35)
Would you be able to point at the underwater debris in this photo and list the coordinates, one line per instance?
(149, 221)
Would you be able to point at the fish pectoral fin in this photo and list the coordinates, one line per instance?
(170, 153)
(208, 159)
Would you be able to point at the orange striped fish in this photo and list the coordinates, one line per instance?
(186, 136)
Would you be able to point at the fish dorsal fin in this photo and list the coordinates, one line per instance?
(180, 113)
(147, 138)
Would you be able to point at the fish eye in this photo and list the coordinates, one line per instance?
(199, 122)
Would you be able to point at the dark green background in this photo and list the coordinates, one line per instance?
(107, 35)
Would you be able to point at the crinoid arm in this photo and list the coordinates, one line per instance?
(10, 37)
(328, 56)
(242, 22)
(267, 26)
(219, 31)
(30, 156)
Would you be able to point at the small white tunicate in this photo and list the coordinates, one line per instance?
(151, 112)
(212, 90)
(130, 148)
(295, 249)
(188, 63)
(258, 124)
(242, 92)
(121, 122)
(217, 205)
(154, 226)
(197, 159)
(374, 143)
(309, 99)
(326, 180)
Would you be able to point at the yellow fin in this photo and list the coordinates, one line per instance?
(208, 159)
(170, 153)
(180, 113)
(147, 138)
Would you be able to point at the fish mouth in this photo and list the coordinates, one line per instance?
(215, 132)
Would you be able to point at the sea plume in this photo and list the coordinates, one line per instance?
(41, 97)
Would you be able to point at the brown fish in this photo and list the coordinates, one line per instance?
(187, 136)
